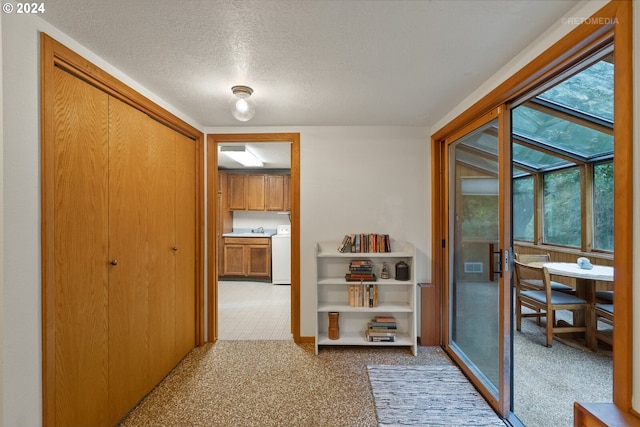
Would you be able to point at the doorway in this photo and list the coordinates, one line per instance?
(213, 142)
(571, 50)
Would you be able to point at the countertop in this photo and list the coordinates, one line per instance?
(248, 232)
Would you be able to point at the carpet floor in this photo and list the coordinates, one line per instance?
(428, 396)
(272, 383)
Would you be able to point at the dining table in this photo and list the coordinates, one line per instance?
(585, 289)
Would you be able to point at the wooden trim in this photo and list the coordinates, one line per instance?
(54, 54)
(47, 236)
(613, 22)
(212, 161)
(505, 239)
(623, 197)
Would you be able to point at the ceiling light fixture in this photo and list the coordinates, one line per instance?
(240, 154)
(243, 107)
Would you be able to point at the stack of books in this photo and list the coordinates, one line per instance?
(382, 329)
(363, 295)
(360, 270)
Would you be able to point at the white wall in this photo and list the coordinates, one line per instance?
(1, 236)
(551, 36)
(359, 180)
(21, 322)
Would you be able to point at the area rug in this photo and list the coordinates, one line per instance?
(428, 396)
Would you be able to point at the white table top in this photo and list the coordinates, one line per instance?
(571, 269)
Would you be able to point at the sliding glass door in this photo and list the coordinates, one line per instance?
(478, 256)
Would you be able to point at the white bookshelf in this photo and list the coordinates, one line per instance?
(396, 298)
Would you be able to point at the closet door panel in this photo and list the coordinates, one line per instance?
(80, 224)
(186, 243)
(162, 152)
(128, 248)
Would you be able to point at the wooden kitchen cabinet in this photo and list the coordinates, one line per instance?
(256, 192)
(247, 257)
(246, 192)
(287, 193)
(237, 192)
(275, 193)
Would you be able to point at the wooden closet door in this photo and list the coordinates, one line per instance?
(75, 205)
(186, 244)
(162, 242)
(128, 248)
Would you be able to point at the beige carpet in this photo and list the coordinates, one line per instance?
(548, 380)
(272, 383)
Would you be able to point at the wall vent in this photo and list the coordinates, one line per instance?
(473, 267)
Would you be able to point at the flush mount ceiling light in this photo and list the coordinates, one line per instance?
(243, 107)
(241, 155)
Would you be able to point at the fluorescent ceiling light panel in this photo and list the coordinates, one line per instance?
(240, 154)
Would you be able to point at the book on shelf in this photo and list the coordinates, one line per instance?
(383, 322)
(363, 295)
(379, 338)
(345, 245)
(365, 242)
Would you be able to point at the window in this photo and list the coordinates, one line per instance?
(603, 206)
(562, 212)
(556, 135)
(523, 209)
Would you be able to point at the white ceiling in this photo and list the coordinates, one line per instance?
(310, 62)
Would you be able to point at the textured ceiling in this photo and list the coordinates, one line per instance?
(310, 62)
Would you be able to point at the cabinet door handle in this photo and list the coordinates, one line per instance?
(114, 262)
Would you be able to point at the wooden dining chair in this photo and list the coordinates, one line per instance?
(544, 302)
(604, 313)
(535, 284)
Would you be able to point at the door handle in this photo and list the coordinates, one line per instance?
(492, 262)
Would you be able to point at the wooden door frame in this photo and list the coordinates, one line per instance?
(213, 140)
(614, 22)
(500, 114)
(54, 54)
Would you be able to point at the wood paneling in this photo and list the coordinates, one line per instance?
(128, 235)
(80, 245)
(185, 226)
(162, 239)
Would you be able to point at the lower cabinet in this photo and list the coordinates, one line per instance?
(247, 257)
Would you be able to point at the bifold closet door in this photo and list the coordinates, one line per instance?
(129, 261)
(162, 250)
(186, 244)
(76, 206)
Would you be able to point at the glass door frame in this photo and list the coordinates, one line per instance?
(613, 22)
(501, 402)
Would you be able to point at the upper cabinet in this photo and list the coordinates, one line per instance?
(258, 192)
(275, 192)
(237, 192)
(255, 192)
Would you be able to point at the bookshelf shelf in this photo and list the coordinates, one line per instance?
(395, 298)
